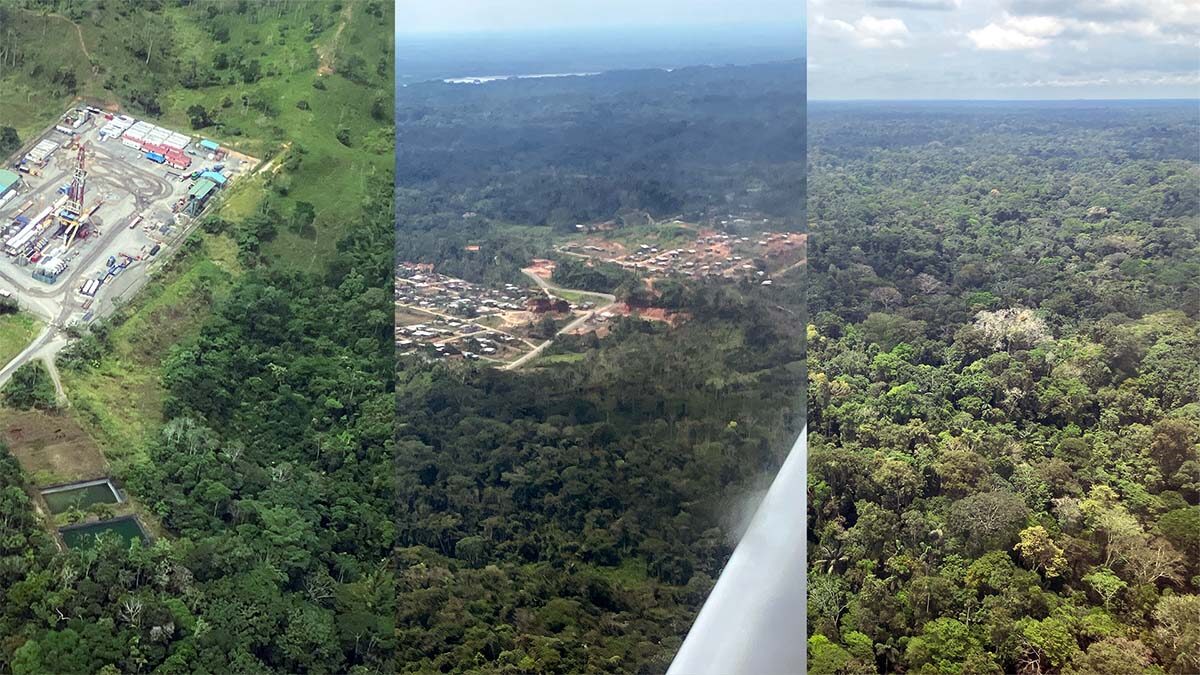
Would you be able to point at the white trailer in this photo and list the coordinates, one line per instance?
(17, 243)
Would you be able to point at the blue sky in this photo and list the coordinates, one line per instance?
(451, 16)
(1003, 49)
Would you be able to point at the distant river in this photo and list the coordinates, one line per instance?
(476, 57)
(480, 79)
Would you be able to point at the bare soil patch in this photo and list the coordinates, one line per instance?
(51, 446)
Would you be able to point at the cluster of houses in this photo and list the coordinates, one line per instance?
(419, 287)
(453, 308)
(712, 254)
(454, 338)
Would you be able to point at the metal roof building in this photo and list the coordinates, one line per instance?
(42, 151)
(202, 189)
(8, 180)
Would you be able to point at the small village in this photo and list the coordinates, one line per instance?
(712, 254)
(442, 317)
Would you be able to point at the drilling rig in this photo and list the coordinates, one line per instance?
(71, 216)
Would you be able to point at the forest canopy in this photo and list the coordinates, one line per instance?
(1004, 473)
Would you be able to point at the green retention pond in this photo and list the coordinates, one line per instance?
(84, 536)
(80, 495)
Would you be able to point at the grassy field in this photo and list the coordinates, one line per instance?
(408, 317)
(16, 332)
(577, 297)
(49, 44)
(669, 233)
(557, 359)
(120, 400)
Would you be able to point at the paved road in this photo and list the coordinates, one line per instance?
(548, 288)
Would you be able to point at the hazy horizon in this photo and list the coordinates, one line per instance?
(538, 50)
(983, 101)
(458, 16)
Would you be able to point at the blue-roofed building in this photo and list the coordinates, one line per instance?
(8, 181)
(215, 177)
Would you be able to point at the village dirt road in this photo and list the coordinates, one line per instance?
(549, 288)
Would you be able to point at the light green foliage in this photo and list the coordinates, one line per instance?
(1037, 380)
(1177, 633)
(256, 431)
(826, 657)
(1106, 584)
(1039, 551)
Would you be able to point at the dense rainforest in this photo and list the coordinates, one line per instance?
(269, 482)
(625, 146)
(572, 517)
(1004, 416)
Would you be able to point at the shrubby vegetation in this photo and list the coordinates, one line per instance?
(588, 503)
(273, 475)
(1003, 389)
(9, 141)
(30, 387)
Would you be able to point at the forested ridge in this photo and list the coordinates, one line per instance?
(1003, 388)
(572, 518)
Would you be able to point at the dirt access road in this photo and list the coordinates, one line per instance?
(548, 288)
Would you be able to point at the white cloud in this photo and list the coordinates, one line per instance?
(1169, 21)
(868, 31)
(1136, 48)
(1035, 26)
(1015, 32)
(1009, 35)
(936, 5)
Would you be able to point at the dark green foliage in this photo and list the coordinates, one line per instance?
(9, 141)
(199, 117)
(607, 481)
(381, 110)
(1004, 393)
(586, 276)
(30, 387)
(581, 150)
(272, 476)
